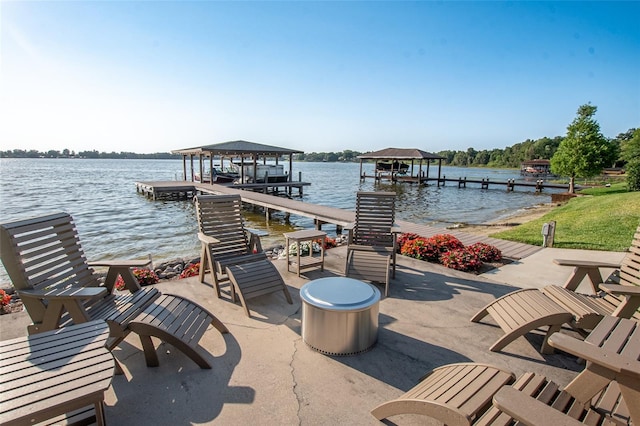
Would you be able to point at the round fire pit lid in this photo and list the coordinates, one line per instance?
(339, 294)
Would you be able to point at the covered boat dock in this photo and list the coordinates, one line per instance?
(244, 152)
(399, 164)
(248, 159)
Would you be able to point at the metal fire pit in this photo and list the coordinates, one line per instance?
(339, 315)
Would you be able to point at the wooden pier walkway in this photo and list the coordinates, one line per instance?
(174, 189)
(322, 215)
(510, 184)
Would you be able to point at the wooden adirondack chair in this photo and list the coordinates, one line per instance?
(620, 298)
(462, 394)
(372, 243)
(525, 310)
(49, 270)
(232, 253)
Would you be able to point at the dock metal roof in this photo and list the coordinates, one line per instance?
(237, 148)
(400, 154)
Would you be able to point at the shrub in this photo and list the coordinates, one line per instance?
(191, 270)
(486, 252)
(145, 276)
(420, 248)
(633, 175)
(462, 259)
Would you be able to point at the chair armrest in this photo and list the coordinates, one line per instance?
(396, 229)
(67, 293)
(620, 364)
(207, 239)
(585, 263)
(529, 410)
(121, 263)
(349, 226)
(257, 232)
(620, 289)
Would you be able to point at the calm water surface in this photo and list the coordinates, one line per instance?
(115, 221)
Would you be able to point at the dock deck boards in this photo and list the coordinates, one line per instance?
(337, 216)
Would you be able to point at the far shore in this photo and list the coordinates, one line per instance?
(518, 218)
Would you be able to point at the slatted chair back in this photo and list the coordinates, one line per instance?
(606, 408)
(44, 253)
(375, 216)
(628, 274)
(630, 268)
(220, 216)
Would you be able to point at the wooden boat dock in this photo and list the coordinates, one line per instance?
(172, 189)
(510, 184)
(323, 215)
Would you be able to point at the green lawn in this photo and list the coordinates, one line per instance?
(602, 219)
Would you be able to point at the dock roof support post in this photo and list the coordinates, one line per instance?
(192, 172)
(201, 167)
(290, 178)
(255, 168)
(439, 169)
(361, 176)
(184, 167)
(428, 164)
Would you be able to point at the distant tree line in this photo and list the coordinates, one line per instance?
(509, 157)
(65, 153)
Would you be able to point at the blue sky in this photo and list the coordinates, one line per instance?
(316, 76)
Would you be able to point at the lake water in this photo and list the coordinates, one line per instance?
(114, 221)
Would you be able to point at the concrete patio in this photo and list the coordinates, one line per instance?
(263, 373)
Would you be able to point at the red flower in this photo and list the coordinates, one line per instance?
(420, 248)
(402, 239)
(446, 242)
(462, 259)
(191, 270)
(5, 298)
(486, 252)
(145, 277)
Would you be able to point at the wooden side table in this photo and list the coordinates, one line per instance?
(308, 261)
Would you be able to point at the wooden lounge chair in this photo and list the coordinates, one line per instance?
(232, 253)
(522, 311)
(462, 394)
(620, 297)
(49, 271)
(606, 392)
(372, 242)
(370, 266)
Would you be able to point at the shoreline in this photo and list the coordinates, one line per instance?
(517, 218)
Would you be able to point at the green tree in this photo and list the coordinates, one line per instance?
(631, 154)
(630, 149)
(584, 152)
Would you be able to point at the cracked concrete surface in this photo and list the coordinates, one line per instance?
(263, 373)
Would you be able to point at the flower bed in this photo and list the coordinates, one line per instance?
(191, 270)
(449, 251)
(145, 276)
(9, 304)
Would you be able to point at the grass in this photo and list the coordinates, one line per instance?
(601, 219)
